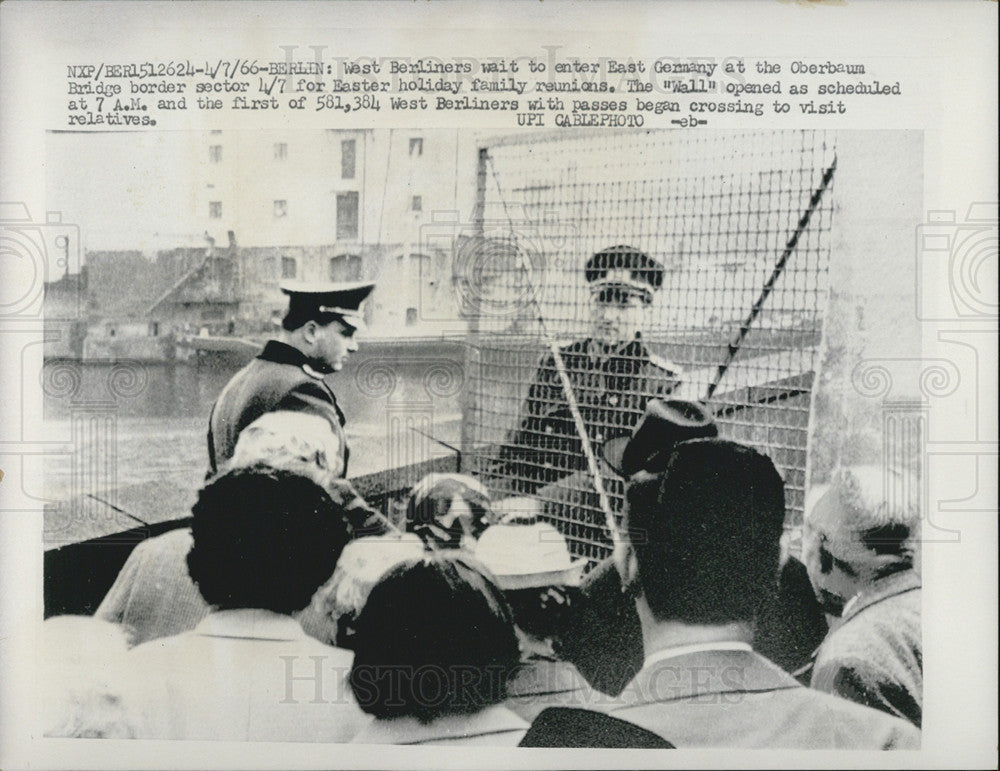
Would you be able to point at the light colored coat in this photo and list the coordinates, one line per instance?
(875, 656)
(245, 675)
(540, 682)
(153, 595)
(730, 699)
(494, 726)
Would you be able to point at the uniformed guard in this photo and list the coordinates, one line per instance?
(613, 374)
(317, 335)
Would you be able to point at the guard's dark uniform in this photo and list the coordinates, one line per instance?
(611, 393)
(280, 378)
(288, 377)
(543, 456)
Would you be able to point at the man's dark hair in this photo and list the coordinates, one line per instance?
(706, 532)
(435, 637)
(264, 539)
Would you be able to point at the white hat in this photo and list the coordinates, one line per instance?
(522, 510)
(527, 556)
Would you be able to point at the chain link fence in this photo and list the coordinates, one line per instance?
(736, 229)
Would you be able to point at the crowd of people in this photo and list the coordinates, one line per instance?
(291, 610)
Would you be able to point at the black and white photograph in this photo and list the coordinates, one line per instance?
(357, 404)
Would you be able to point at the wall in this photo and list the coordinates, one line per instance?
(871, 342)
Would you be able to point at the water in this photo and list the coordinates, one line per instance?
(130, 423)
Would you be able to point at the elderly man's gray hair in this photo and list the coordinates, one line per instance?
(878, 506)
(291, 441)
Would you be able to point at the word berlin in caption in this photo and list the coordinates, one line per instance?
(551, 89)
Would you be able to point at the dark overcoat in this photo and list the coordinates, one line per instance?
(279, 378)
(611, 393)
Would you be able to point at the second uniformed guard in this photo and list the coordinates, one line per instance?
(317, 335)
(613, 374)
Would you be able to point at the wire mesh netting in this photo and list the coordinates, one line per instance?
(635, 265)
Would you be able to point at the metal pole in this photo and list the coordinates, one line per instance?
(779, 268)
(567, 386)
(470, 404)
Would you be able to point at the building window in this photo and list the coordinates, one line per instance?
(280, 209)
(289, 267)
(215, 210)
(280, 151)
(215, 153)
(345, 267)
(416, 203)
(215, 131)
(416, 145)
(411, 316)
(270, 267)
(347, 155)
(347, 215)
